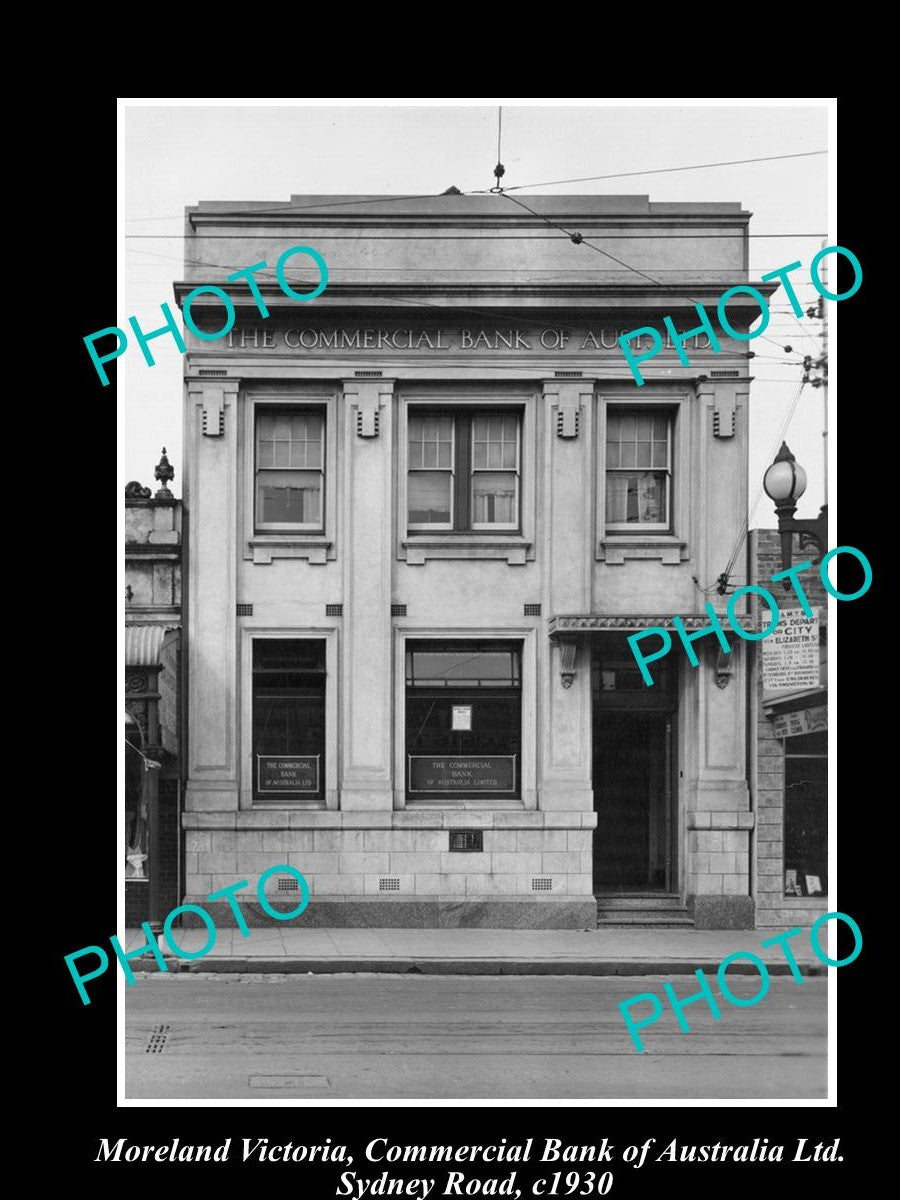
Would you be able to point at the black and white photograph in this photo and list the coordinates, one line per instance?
(479, 590)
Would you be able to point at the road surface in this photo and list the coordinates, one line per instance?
(406, 1036)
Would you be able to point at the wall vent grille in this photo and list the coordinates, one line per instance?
(542, 883)
(724, 374)
(398, 610)
(467, 840)
(210, 374)
(389, 885)
(368, 374)
(334, 610)
(245, 610)
(288, 885)
(532, 610)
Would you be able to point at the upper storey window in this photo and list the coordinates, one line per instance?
(464, 470)
(638, 469)
(289, 468)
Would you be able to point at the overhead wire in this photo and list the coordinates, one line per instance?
(735, 162)
(468, 237)
(287, 207)
(745, 524)
(506, 270)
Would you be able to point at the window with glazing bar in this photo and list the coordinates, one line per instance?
(638, 469)
(290, 469)
(463, 470)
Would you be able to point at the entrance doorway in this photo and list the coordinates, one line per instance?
(635, 797)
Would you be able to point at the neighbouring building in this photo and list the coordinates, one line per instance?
(789, 736)
(153, 689)
(423, 512)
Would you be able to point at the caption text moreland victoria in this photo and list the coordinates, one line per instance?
(560, 1180)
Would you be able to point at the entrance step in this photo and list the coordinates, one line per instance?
(642, 910)
(632, 900)
(653, 919)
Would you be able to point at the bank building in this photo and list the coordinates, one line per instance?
(422, 514)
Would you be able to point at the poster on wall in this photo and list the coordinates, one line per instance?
(790, 654)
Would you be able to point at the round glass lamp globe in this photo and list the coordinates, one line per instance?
(785, 480)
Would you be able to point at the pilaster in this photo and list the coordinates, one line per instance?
(210, 503)
(365, 776)
(568, 490)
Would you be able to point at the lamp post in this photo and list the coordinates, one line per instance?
(785, 482)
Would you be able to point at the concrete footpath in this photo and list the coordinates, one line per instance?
(620, 950)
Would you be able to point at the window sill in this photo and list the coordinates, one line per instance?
(263, 547)
(464, 804)
(276, 803)
(669, 549)
(512, 547)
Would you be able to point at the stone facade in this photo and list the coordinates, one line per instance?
(463, 304)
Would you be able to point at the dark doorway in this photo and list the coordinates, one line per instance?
(634, 792)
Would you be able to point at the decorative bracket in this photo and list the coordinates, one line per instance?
(724, 415)
(568, 414)
(568, 650)
(213, 412)
(724, 670)
(367, 414)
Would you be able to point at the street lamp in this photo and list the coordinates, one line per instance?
(785, 483)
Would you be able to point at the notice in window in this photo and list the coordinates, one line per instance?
(445, 776)
(462, 718)
(791, 653)
(287, 773)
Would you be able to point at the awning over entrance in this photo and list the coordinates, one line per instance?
(143, 644)
(573, 625)
(151, 681)
(568, 630)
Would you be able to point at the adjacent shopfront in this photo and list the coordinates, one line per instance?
(424, 512)
(790, 761)
(153, 699)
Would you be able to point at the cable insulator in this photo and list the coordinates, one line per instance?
(499, 170)
(576, 238)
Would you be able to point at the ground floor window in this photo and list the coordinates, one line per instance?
(136, 841)
(806, 815)
(463, 719)
(288, 719)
